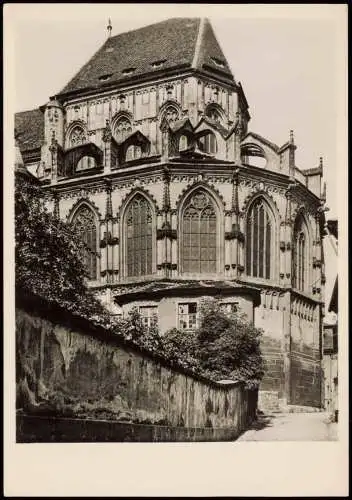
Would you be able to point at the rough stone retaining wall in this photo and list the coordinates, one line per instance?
(94, 373)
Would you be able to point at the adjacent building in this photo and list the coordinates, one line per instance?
(148, 151)
(330, 327)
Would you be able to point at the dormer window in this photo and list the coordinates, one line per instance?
(158, 64)
(104, 78)
(128, 71)
(109, 49)
(218, 62)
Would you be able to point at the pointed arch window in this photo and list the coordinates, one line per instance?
(122, 129)
(199, 234)
(260, 240)
(171, 114)
(77, 137)
(213, 114)
(139, 237)
(299, 256)
(84, 223)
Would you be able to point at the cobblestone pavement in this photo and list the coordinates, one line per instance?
(292, 427)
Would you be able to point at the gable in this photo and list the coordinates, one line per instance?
(211, 57)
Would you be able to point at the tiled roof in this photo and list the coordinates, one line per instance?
(29, 129)
(210, 53)
(161, 47)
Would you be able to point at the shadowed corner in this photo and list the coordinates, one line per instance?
(261, 422)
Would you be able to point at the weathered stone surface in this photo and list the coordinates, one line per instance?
(86, 376)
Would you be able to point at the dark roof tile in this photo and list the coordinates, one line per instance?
(210, 54)
(172, 43)
(29, 129)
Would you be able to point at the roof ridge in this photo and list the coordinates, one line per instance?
(200, 35)
(150, 25)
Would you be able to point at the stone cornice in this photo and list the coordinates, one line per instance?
(156, 78)
(211, 171)
(275, 287)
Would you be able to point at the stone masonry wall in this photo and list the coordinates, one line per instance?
(93, 368)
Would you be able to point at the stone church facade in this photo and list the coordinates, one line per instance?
(149, 153)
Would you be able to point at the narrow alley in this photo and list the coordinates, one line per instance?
(292, 427)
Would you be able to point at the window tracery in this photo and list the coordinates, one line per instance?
(139, 234)
(77, 137)
(299, 256)
(199, 231)
(84, 223)
(213, 114)
(122, 129)
(260, 240)
(171, 114)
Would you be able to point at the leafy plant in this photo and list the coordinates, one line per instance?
(224, 346)
(48, 255)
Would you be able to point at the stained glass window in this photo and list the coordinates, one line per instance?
(84, 222)
(138, 231)
(299, 255)
(259, 240)
(199, 228)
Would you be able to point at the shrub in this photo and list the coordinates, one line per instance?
(48, 254)
(224, 346)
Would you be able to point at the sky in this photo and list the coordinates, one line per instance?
(288, 62)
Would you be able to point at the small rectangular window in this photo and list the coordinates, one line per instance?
(229, 307)
(188, 316)
(149, 315)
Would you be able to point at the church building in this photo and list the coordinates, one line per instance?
(148, 151)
